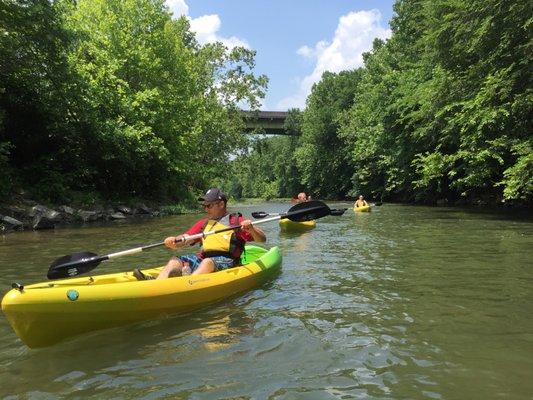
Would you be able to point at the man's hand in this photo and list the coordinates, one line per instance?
(174, 242)
(247, 226)
(257, 234)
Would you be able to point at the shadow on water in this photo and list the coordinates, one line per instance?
(480, 213)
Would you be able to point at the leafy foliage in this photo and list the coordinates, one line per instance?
(6, 173)
(440, 111)
(116, 97)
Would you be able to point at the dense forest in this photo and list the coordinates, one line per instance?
(440, 112)
(115, 99)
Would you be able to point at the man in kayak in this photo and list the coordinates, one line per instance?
(301, 198)
(360, 202)
(219, 251)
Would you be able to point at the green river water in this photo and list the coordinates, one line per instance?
(400, 303)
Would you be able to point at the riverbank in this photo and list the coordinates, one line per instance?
(22, 213)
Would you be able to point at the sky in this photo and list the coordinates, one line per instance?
(295, 40)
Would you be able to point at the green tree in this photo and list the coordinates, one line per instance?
(35, 95)
(487, 94)
(322, 157)
(163, 108)
(442, 110)
(117, 97)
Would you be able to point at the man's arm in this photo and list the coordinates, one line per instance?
(257, 234)
(174, 242)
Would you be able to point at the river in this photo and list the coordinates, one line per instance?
(401, 303)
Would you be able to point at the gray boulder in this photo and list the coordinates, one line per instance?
(44, 217)
(17, 212)
(66, 210)
(88, 216)
(40, 210)
(41, 221)
(11, 222)
(142, 209)
(117, 215)
(124, 210)
(37, 210)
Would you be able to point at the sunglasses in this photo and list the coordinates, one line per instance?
(208, 206)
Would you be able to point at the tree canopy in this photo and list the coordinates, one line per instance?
(439, 112)
(116, 97)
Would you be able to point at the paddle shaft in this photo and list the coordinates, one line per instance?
(132, 251)
(183, 239)
(262, 214)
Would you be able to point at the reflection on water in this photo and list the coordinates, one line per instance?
(402, 302)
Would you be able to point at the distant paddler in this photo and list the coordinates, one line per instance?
(301, 198)
(360, 202)
(361, 205)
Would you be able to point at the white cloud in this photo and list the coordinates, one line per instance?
(178, 7)
(305, 51)
(205, 27)
(354, 35)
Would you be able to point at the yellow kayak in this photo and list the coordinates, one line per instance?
(46, 313)
(287, 225)
(362, 209)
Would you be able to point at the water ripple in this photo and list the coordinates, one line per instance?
(402, 302)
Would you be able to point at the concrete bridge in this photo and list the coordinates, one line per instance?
(271, 122)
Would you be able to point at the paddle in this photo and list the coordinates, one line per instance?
(79, 263)
(262, 214)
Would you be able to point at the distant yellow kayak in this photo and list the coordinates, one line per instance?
(362, 209)
(287, 225)
(46, 313)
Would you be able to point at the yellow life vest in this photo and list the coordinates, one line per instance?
(221, 244)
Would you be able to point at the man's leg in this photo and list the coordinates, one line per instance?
(206, 267)
(173, 268)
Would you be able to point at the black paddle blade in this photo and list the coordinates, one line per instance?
(74, 264)
(259, 214)
(338, 211)
(307, 211)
